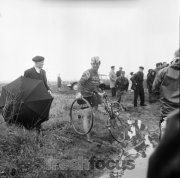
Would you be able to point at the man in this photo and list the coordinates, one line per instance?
(118, 73)
(137, 81)
(59, 82)
(88, 84)
(112, 77)
(150, 79)
(167, 83)
(37, 71)
(158, 67)
(121, 85)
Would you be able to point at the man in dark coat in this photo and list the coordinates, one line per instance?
(137, 81)
(150, 79)
(37, 72)
(118, 73)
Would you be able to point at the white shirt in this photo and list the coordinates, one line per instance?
(37, 69)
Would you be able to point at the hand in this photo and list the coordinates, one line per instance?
(49, 91)
(78, 96)
(101, 94)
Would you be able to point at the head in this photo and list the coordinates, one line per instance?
(120, 68)
(95, 63)
(112, 67)
(143, 154)
(59, 75)
(38, 61)
(159, 65)
(141, 69)
(132, 73)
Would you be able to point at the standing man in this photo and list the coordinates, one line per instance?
(112, 77)
(137, 81)
(118, 73)
(167, 83)
(37, 71)
(121, 85)
(59, 82)
(88, 84)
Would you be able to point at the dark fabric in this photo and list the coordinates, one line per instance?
(31, 73)
(118, 73)
(167, 83)
(113, 92)
(138, 79)
(165, 161)
(150, 79)
(122, 84)
(59, 82)
(25, 101)
(139, 92)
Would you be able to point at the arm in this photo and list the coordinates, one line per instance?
(45, 81)
(158, 81)
(85, 76)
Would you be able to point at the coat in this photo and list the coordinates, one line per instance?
(31, 73)
(112, 77)
(167, 83)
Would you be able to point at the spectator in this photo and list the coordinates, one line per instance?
(165, 64)
(38, 73)
(164, 162)
(167, 83)
(112, 77)
(118, 73)
(59, 82)
(122, 84)
(138, 88)
(150, 79)
(131, 84)
(158, 67)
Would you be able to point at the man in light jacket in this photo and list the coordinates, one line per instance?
(112, 77)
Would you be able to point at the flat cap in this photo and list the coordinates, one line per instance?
(38, 59)
(141, 67)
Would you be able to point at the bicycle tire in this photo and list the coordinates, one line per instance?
(78, 110)
(117, 129)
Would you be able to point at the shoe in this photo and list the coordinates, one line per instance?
(143, 105)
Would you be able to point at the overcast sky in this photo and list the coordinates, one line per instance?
(126, 33)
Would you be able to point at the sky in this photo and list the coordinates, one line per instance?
(127, 33)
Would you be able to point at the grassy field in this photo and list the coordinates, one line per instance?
(27, 154)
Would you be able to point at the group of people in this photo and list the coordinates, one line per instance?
(119, 85)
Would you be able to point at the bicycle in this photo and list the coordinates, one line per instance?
(114, 124)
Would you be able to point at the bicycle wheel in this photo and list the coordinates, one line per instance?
(117, 129)
(79, 110)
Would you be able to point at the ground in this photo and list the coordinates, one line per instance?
(28, 154)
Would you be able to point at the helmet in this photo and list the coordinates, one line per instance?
(95, 59)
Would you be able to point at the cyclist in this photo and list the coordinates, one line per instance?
(89, 84)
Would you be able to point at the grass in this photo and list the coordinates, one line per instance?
(27, 154)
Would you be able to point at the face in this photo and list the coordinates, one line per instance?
(95, 66)
(39, 64)
(140, 69)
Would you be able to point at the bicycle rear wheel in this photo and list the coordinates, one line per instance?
(79, 110)
(117, 129)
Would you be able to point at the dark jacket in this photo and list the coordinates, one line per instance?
(122, 83)
(31, 73)
(164, 162)
(137, 80)
(150, 79)
(167, 82)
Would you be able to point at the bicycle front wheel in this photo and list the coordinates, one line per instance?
(81, 116)
(117, 129)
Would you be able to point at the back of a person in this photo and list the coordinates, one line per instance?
(170, 86)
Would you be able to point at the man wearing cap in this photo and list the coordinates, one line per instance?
(167, 83)
(88, 84)
(137, 80)
(112, 77)
(37, 72)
